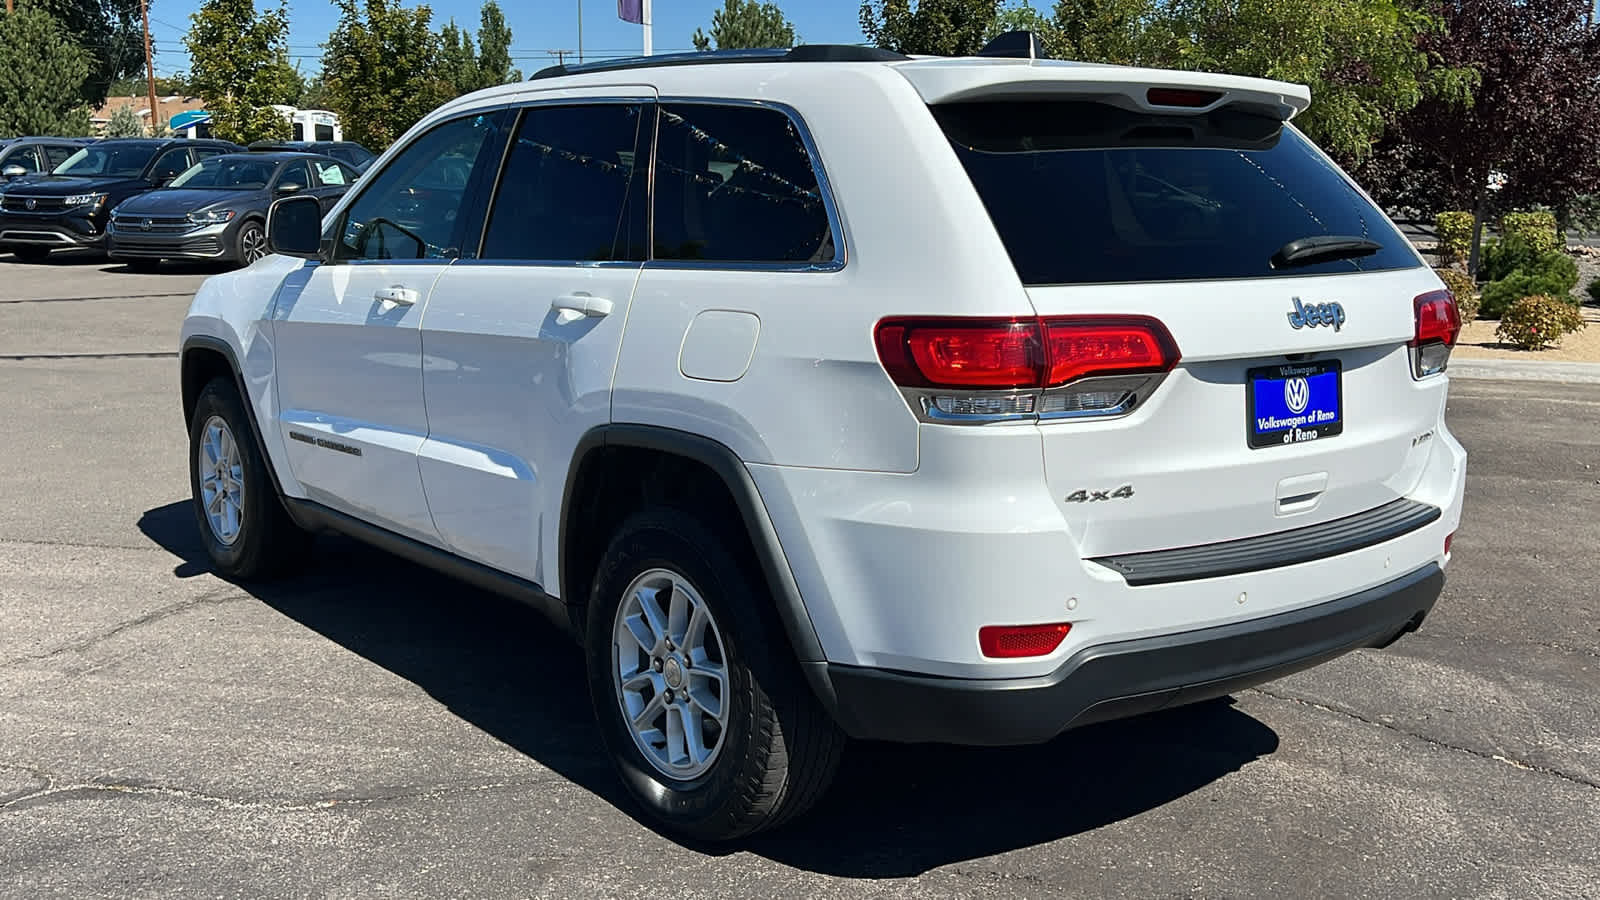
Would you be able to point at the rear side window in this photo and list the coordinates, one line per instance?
(56, 154)
(736, 184)
(573, 188)
(1086, 193)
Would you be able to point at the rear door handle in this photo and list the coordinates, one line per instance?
(573, 307)
(397, 295)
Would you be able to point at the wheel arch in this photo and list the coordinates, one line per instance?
(204, 358)
(604, 447)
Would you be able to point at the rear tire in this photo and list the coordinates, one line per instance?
(774, 751)
(245, 529)
(31, 254)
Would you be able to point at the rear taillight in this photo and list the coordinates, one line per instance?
(1447, 539)
(1438, 326)
(1018, 641)
(956, 369)
(1186, 97)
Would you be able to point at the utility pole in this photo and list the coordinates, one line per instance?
(649, 24)
(580, 29)
(149, 63)
(560, 55)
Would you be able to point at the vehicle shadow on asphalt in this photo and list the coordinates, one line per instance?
(894, 811)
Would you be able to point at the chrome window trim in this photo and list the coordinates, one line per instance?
(841, 251)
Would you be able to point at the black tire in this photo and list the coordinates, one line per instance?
(142, 265)
(780, 748)
(249, 231)
(268, 542)
(31, 254)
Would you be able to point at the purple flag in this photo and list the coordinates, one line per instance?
(631, 11)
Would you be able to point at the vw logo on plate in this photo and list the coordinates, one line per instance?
(1296, 394)
(32, 203)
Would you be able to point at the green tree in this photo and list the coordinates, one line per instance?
(380, 68)
(124, 122)
(742, 24)
(458, 60)
(240, 67)
(42, 70)
(1121, 32)
(314, 93)
(112, 33)
(936, 27)
(494, 47)
(136, 86)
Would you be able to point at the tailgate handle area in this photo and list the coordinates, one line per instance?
(1300, 493)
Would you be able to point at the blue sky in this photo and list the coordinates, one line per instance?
(536, 27)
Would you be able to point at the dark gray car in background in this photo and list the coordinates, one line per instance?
(217, 210)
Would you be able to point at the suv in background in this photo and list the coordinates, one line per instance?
(69, 208)
(828, 392)
(24, 156)
(350, 153)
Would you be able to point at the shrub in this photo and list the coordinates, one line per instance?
(1504, 255)
(1464, 289)
(1534, 323)
(1554, 274)
(1455, 236)
(1537, 228)
(1594, 290)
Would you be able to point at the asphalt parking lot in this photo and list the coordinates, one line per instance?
(368, 729)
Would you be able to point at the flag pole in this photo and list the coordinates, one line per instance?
(644, 8)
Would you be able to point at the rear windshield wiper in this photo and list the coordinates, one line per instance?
(1322, 248)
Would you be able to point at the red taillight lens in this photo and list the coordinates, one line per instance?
(1021, 353)
(1181, 97)
(1122, 345)
(978, 353)
(1016, 641)
(1437, 319)
(1447, 539)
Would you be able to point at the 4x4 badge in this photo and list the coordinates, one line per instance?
(1310, 315)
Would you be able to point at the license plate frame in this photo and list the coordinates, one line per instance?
(1269, 399)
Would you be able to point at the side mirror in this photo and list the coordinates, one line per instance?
(13, 171)
(294, 227)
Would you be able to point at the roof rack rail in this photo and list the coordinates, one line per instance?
(802, 53)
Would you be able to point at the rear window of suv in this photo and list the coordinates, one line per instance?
(1087, 193)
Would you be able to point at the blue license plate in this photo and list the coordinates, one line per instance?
(1293, 403)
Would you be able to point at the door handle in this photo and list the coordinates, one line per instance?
(573, 307)
(397, 295)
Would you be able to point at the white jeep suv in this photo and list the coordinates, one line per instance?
(833, 393)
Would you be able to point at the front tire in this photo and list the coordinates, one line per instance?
(701, 705)
(245, 529)
(31, 254)
(250, 244)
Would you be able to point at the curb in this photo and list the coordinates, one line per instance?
(1525, 370)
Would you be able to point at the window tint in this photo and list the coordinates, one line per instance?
(208, 152)
(119, 159)
(56, 154)
(412, 209)
(572, 187)
(170, 164)
(295, 173)
(735, 184)
(24, 158)
(1085, 193)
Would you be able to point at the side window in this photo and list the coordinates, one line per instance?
(736, 184)
(295, 174)
(413, 208)
(207, 152)
(56, 154)
(330, 174)
(170, 165)
(24, 158)
(573, 188)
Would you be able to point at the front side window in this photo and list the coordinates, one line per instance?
(117, 160)
(295, 176)
(736, 184)
(413, 208)
(24, 158)
(573, 188)
(170, 165)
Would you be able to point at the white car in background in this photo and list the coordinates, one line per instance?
(831, 393)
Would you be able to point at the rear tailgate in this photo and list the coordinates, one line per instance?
(1181, 197)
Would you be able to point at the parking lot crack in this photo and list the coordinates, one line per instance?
(1445, 745)
(58, 793)
(217, 597)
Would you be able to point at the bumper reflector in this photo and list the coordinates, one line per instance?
(1016, 641)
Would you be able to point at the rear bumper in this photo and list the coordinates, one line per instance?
(1124, 678)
